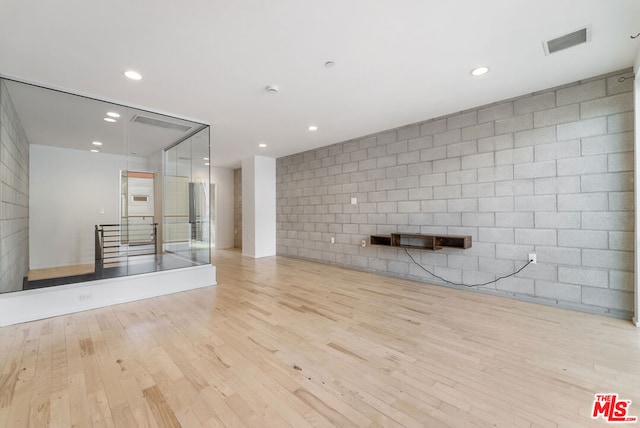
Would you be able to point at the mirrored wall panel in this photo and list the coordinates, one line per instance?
(94, 190)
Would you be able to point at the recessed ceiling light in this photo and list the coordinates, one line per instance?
(262, 145)
(206, 163)
(133, 75)
(94, 151)
(313, 128)
(205, 158)
(97, 143)
(109, 119)
(329, 64)
(479, 71)
(113, 114)
(272, 89)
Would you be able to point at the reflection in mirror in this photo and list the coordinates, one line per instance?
(90, 189)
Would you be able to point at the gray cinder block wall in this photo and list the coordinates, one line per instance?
(14, 197)
(547, 173)
(237, 208)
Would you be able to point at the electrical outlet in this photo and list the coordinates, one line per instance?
(333, 240)
(532, 258)
(363, 243)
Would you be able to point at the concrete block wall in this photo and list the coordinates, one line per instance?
(14, 197)
(547, 173)
(237, 208)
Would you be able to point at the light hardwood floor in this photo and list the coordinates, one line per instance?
(282, 342)
(59, 272)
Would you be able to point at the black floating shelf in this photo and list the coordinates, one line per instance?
(418, 241)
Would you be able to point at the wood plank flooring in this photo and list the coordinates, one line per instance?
(288, 343)
(58, 272)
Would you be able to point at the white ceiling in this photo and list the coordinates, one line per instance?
(397, 61)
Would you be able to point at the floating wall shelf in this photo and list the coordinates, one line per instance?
(418, 241)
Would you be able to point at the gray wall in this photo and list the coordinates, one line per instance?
(14, 197)
(549, 173)
(237, 208)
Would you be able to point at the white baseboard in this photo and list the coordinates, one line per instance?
(30, 305)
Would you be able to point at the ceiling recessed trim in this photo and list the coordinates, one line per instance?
(566, 41)
(138, 118)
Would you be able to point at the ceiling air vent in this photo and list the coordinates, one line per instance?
(570, 40)
(160, 123)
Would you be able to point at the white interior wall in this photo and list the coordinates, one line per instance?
(248, 208)
(140, 187)
(70, 192)
(266, 205)
(222, 213)
(259, 206)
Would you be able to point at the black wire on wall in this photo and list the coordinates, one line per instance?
(462, 284)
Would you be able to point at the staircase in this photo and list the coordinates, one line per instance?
(115, 243)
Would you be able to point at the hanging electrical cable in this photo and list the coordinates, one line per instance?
(460, 283)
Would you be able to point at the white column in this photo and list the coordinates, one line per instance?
(259, 207)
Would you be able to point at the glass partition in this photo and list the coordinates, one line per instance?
(186, 218)
(94, 190)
